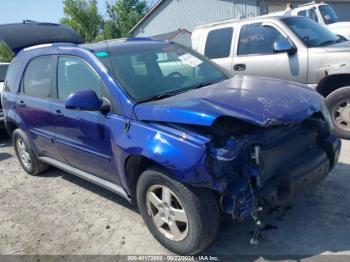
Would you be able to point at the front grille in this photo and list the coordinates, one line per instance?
(286, 149)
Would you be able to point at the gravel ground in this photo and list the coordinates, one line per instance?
(59, 214)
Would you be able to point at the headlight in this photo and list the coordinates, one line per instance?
(327, 116)
(1, 87)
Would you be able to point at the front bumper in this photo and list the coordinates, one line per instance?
(301, 174)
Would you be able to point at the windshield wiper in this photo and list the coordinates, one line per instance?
(330, 42)
(207, 83)
(166, 94)
(180, 91)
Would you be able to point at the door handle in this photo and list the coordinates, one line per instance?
(22, 104)
(239, 67)
(59, 113)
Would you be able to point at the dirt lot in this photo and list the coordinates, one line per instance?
(57, 213)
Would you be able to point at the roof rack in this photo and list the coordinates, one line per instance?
(311, 3)
(222, 22)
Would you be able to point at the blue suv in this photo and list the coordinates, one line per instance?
(164, 127)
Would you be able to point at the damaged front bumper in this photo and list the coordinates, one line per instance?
(270, 168)
(301, 174)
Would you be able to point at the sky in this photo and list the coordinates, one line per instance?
(15, 11)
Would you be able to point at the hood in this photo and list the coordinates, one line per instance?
(261, 101)
(339, 25)
(340, 47)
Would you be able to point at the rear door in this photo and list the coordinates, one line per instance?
(33, 104)
(218, 45)
(84, 138)
(254, 54)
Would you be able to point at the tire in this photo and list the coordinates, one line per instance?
(29, 162)
(337, 101)
(200, 207)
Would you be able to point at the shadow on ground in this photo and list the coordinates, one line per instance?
(318, 223)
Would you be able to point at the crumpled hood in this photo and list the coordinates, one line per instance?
(261, 101)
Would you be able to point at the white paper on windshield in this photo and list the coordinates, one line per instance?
(190, 60)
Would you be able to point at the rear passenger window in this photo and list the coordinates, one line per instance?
(75, 75)
(38, 78)
(310, 13)
(218, 43)
(11, 77)
(257, 39)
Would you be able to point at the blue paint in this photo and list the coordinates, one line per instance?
(172, 132)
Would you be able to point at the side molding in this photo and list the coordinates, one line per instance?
(86, 176)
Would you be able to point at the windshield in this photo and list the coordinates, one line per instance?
(152, 70)
(328, 14)
(3, 70)
(311, 33)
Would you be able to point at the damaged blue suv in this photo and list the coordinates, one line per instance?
(162, 126)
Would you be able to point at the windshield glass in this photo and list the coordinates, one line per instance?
(328, 14)
(3, 69)
(153, 70)
(311, 33)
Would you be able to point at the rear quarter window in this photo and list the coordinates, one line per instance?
(13, 73)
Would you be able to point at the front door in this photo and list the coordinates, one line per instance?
(83, 138)
(255, 55)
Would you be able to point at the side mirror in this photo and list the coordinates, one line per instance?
(284, 46)
(87, 100)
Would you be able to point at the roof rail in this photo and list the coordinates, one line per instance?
(311, 3)
(222, 22)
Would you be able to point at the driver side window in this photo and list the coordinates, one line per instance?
(256, 39)
(75, 75)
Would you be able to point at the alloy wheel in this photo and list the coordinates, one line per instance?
(167, 212)
(23, 153)
(341, 114)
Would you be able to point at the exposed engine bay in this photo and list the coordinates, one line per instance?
(267, 167)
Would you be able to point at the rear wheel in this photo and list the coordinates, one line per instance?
(185, 220)
(29, 162)
(338, 104)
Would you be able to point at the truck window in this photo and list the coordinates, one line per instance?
(218, 43)
(328, 14)
(310, 13)
(257, 39)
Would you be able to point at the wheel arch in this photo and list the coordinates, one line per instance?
(134, 166)
(331, 83)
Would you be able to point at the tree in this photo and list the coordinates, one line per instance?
(83, 17)
(123, 15)
(6, 53)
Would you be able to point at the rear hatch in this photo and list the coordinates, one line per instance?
(26, 34)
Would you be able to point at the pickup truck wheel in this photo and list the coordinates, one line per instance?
(338, 104)
(183, 219)
(29, 162)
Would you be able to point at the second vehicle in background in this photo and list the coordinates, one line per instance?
(285, 47)
(3, 70)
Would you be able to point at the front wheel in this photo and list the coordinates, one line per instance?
(185, 220)
(338, 104)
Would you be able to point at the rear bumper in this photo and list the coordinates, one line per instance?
(301, 174)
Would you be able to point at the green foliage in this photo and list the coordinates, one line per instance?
(83, 17)
(123, 15)
(6, 53)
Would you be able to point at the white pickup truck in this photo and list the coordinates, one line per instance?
(285, 47)
(323, 14)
